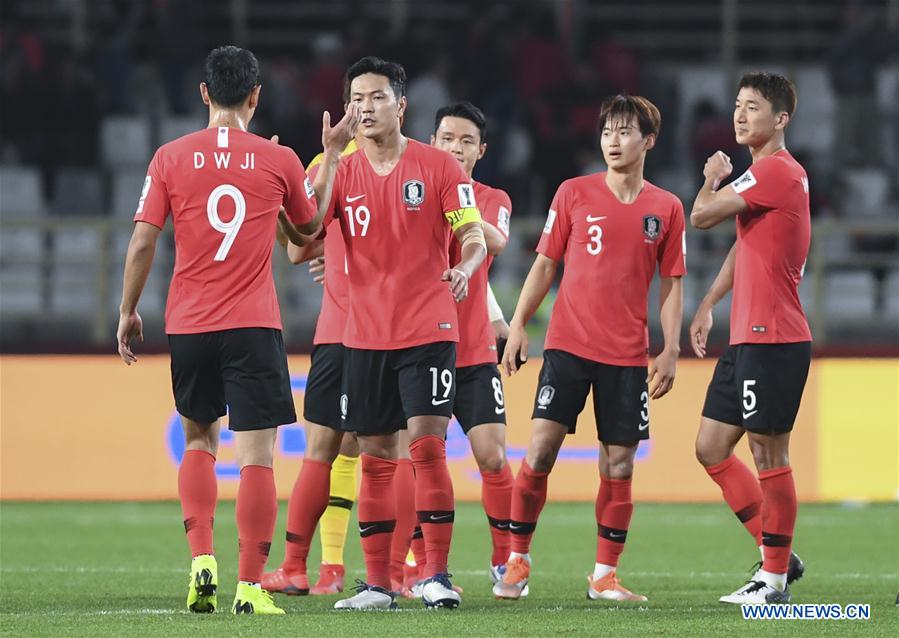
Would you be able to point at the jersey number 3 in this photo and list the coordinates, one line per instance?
(230, 228)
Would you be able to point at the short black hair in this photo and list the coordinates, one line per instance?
(775, 88)
(394, 72)
(623, 108)
(465, 110)
(231, 75)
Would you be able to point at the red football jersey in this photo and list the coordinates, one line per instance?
(477, 341)
(335, 296)
(397, 229)
(611, 252)
(772, 245)
(223, 187)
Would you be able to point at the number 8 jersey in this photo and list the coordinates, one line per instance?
(223, 188)
(611, 252)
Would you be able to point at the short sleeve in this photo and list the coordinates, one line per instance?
(501, 216)
(673, 251)
(299, 196)
(457, 195)
(554, 239)
(763, 185)
(154, 206)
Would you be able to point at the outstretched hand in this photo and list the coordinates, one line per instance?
(335, 139)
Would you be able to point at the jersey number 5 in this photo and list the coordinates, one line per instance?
(231, 228)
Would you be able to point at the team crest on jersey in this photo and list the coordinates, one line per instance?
(545, 396)
(652, 226)
(413, 193)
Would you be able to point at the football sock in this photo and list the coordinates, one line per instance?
(334, 522)
(434, 500)
(616, 518)
(742, 492)
(603, 496)
(778, 518)
(198, 491)
(377, 517)
(256, 510)
(600, 570)
(496, 495)
(528, 499)
(418, 549)
(777, 581)
(404, 489)
(308, 501)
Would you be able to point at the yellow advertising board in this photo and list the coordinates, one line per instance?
(86, 427)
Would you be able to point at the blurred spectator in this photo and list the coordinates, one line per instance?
(427, 92)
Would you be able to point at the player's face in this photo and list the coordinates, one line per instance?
(623, 145)
(461, 138)
(381, 112)
(755, 121)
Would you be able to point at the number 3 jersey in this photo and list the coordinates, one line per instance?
(223, 187)
(611, 252)
(397, 230)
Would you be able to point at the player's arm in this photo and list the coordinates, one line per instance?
(713, 206)
(496, 240)
(671, 308)
(310, 250)
(469, 232)
(138, 261)
(537, 284)
(702, 320)
(495, 314)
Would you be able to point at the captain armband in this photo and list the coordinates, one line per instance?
(463, 216)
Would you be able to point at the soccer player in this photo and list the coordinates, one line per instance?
(461, 130)
(758, 382)
(399, 202)
(224, 188)
(331, 456)
(613, 230)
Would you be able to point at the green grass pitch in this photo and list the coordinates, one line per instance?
(120, 569)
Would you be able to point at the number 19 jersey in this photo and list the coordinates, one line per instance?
(223, 188)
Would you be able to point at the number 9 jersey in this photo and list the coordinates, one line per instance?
(223, 188)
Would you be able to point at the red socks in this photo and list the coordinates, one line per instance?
(434, 500)
(418, 550)
(613, 519)
(198, 490)
(778, 517)
(257, 509)
(308, 501)
(496, 495)
(742, 492)
(528, 499)
(377, 517)
(404, 488)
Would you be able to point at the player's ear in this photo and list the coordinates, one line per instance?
(433, 139)
(649, 142)
(254, 96)
(204, 93)
(402, 107)
(482, 148)
(783, 118)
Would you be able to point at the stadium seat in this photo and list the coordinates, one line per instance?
(867, 191)
(73, 291)
(21, 246)
(21, 193)
(813, 127)
(78, 191)
(174, 126)
(891, 295)
(76, 246)
(127, 185)
(125, 140)
(21, 289)
(849, 295)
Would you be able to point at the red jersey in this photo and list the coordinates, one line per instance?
(772, 245)
(477, 341)
(611, 252)
(223, 187)
(397, 229)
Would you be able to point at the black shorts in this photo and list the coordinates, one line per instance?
(479, 396)
(758, 386)
(321, 404)
(620, 396)
(383, 388)
(244, 369)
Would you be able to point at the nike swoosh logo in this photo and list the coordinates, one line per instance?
(499, 410)
(746, 415)
(614, 535)
(353, 199)
(514, 526)
(591, 218)
(442, 517)
(362, 530)
(643, 427)
(441, 402)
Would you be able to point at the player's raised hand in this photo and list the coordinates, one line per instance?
(717, 168)
(516, 346)
(335, 139)
(700, 328)
(275, 138)
(661, 374)
(458, 283)
(130, 326)
(317, 269)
